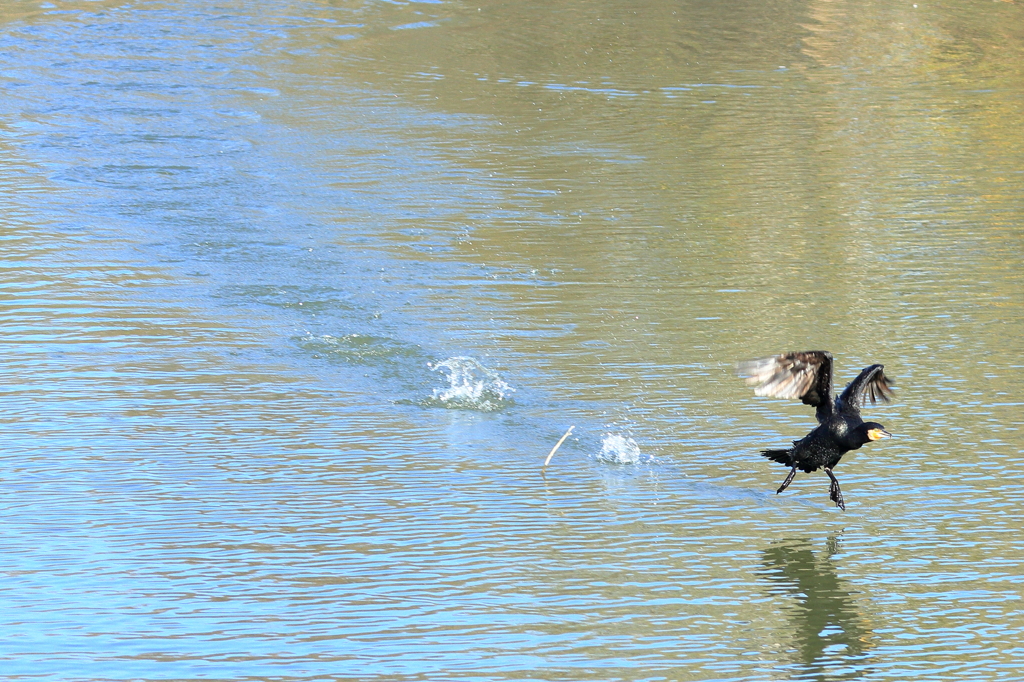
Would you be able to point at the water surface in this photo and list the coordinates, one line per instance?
(297, 298)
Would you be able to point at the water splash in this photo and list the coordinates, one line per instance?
(471, 386)
(619, 449)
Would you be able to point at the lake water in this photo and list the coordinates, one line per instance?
(298, 296)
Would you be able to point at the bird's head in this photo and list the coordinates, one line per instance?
(870, 431)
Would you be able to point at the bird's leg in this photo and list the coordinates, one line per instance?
(834, 493)
(789, 479)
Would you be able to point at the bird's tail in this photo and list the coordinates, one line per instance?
(780, 456)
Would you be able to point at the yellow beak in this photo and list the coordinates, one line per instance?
(878, 434)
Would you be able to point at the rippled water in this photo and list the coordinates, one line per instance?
(297, 298)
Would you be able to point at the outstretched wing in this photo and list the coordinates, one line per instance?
(805, 375)
(871, 384)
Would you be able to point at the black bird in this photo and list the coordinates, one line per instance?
(808, 376)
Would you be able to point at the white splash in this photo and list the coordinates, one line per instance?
(471, 386)
(619, 449)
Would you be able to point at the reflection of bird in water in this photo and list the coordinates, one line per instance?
(808, 376)
(828, 618)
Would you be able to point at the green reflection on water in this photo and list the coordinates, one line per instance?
(830, 628)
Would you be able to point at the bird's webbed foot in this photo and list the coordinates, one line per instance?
(834, 493)
(789, 479)
(837, 496)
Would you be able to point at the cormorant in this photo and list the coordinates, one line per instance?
(808, 376)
